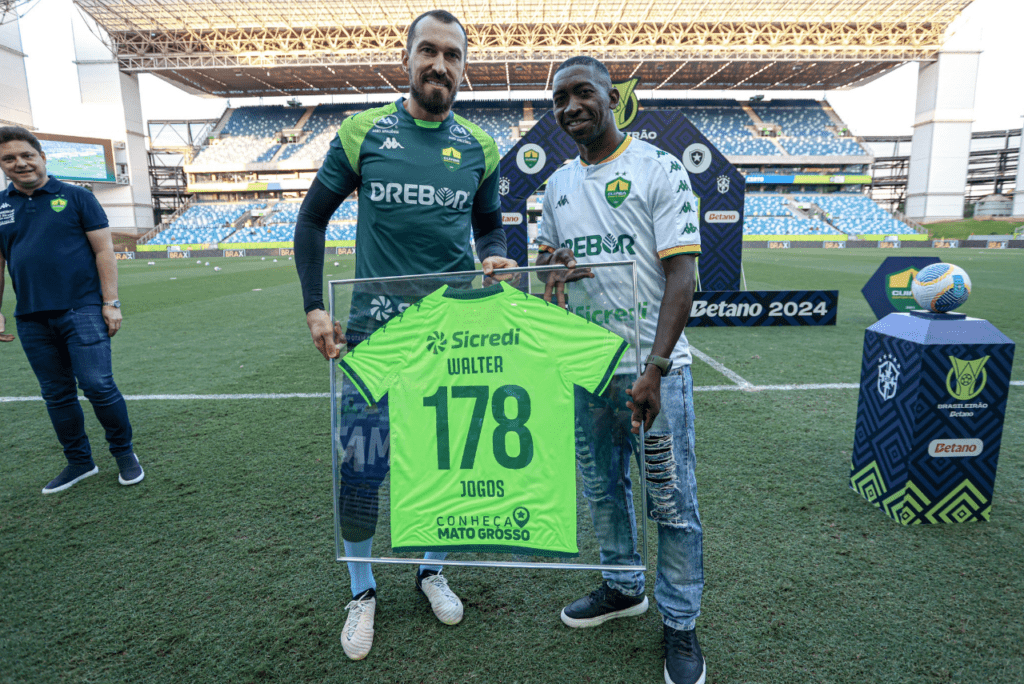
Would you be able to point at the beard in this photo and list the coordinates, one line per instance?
(436, 102)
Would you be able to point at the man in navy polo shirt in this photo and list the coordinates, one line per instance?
(56, 244)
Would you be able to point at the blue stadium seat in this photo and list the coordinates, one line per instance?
(204, 223)
(805, 128)
(856, 214)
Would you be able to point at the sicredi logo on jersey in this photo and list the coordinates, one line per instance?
(411, 193)
(437, 342)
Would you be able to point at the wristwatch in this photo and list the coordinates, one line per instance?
(664, 364)
(116, 303)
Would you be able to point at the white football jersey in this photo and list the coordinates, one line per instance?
(636, 205)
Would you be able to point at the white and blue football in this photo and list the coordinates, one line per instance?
(941, 287)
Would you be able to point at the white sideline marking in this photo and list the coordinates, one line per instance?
(720, 368)
(324, 395)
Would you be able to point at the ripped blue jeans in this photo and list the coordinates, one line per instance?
(604, 445)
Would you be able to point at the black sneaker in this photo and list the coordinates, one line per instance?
(69, 476)
(130, 470)
(603, 604)
(684, 663)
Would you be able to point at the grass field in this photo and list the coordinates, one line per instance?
(220, 566)
(961, 230)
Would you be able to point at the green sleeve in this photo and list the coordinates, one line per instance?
(376, 363)
(337, 172)
(487, 144)
(584, 353)
(340, 170)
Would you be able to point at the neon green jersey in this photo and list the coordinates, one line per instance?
(480, 389)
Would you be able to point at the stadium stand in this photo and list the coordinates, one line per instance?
(250, 135)
(855, 214)
(805, 128)
(497, 123)
(841, 213)
(727, 126)
(321, 128)
(279, 225)
(204, 223)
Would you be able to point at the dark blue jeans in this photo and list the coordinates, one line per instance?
(75, 345)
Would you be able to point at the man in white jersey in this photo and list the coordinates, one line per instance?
(624, 199)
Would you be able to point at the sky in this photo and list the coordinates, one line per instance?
(882, 107)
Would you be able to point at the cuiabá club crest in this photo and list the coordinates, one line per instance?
(897, 289)
(888, 376)
(617, 191)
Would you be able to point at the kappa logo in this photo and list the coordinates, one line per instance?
(966, 379)
(888, 376)
(436, 342)
(504, 185)
(562, 201)
(617, 191)
(391, 144)
(723, 184)
(451, 157)
(58, 204)
(697, 158)
(5, 205)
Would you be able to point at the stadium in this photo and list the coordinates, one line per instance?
(222, 566)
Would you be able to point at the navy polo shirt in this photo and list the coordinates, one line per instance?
(42, 238)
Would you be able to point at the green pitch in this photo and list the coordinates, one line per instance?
(219, 566)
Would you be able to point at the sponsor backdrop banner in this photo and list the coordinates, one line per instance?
(930, 417)
(715, 181)
(750, 308)
(888, 290)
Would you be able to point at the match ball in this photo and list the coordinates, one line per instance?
(941, 287)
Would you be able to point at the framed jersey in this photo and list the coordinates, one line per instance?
(453, 420)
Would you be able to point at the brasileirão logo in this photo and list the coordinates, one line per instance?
(966, 379)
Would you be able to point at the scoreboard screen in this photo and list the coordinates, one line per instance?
(78, 159)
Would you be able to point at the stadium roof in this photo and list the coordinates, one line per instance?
(236, 48)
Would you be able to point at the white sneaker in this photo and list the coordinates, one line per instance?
(357, 634)
(447, 606)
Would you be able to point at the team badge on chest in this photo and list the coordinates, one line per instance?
(58, 204)
(451, 157)
(617, 191)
